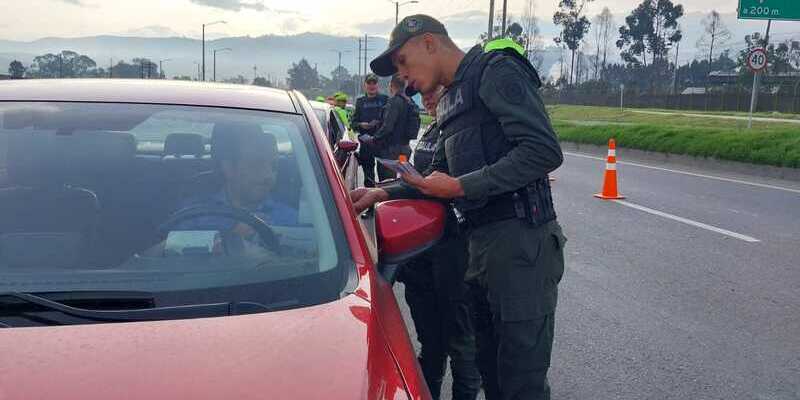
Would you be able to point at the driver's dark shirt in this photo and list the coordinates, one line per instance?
(271, 211)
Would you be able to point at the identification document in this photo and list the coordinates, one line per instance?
(399, 167)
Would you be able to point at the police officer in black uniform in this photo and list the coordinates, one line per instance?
(437, 295)
(392, 138)
(365, 121)
(493, 156)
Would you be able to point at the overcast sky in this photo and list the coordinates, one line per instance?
(34, 19)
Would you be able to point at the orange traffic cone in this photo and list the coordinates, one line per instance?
(610, 191)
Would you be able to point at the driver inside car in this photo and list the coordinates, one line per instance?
(246, 161)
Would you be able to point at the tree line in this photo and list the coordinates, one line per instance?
(648, 44)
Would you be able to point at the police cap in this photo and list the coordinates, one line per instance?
(408, 28)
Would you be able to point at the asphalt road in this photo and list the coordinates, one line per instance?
(696, 297)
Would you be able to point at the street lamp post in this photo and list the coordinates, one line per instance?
(161, 67)
(215, 61)
(489, 32)
(397, 5)
(204, 44)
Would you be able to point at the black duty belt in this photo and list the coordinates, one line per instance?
(499, 208)
(533, 204)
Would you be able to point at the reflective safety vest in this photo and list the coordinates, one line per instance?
(344, 116)
(504, 43)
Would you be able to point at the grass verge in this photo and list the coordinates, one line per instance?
(777, 146)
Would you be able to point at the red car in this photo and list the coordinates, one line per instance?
(165, 240)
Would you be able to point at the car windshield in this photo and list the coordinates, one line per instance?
(188, 204)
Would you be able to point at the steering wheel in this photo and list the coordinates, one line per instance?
(265, 233)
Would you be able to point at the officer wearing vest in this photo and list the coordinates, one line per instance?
(504, 43)
(493, 156)
(366, 121)
(392, 138)
(437, 295)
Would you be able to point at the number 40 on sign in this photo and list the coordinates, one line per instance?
(757, 60)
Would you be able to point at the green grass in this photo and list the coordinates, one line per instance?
(598, 115)
(776, 115)
(775, 146)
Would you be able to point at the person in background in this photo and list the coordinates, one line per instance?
(437, 295)
(365, 122)
(399, 118)
(341, 108)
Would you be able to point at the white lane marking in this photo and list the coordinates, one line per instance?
(688, 222)
(717, 116)
(719, 178)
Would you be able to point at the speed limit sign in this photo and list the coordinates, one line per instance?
(757, 60)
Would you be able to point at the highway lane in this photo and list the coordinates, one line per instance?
(652, 307)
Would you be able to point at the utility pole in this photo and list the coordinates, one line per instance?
(359, 57)
(255, 73)
(757, 80)
(675, 78)
(505, 11)
(397, 5)
(110, 67)
(491, 20)
(204, 44)
(215, 60)
(161, 73)
(366, 45)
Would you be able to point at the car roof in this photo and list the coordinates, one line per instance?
(318, 105)
(150, 91)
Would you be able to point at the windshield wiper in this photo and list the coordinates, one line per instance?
(144, 314)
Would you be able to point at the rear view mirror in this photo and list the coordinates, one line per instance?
(405, 229)
(344, 148)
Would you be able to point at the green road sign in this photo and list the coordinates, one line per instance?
(770, 9)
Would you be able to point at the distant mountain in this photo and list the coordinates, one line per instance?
(273, 55)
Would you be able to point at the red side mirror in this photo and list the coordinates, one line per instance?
(348, 146)
(406, 228)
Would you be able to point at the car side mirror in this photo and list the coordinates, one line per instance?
(347, 146)
(405, 229)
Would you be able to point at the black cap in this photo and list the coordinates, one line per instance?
(408, 28)
(371, 77)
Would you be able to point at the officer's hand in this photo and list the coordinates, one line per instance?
(364, 198)
(436, 184)
(364, 125)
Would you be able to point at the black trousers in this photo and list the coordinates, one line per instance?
(440, 307)
(514, 273)
(366, 158)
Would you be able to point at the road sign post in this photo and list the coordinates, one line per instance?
(786, 10)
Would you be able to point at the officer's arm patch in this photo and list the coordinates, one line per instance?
(511, 89)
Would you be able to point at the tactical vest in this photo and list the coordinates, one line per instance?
(473, 137)
(370, 109)
(426, 146)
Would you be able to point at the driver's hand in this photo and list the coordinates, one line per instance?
(244, 231)
(364, 198)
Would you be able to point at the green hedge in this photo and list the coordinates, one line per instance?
(778, 147)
